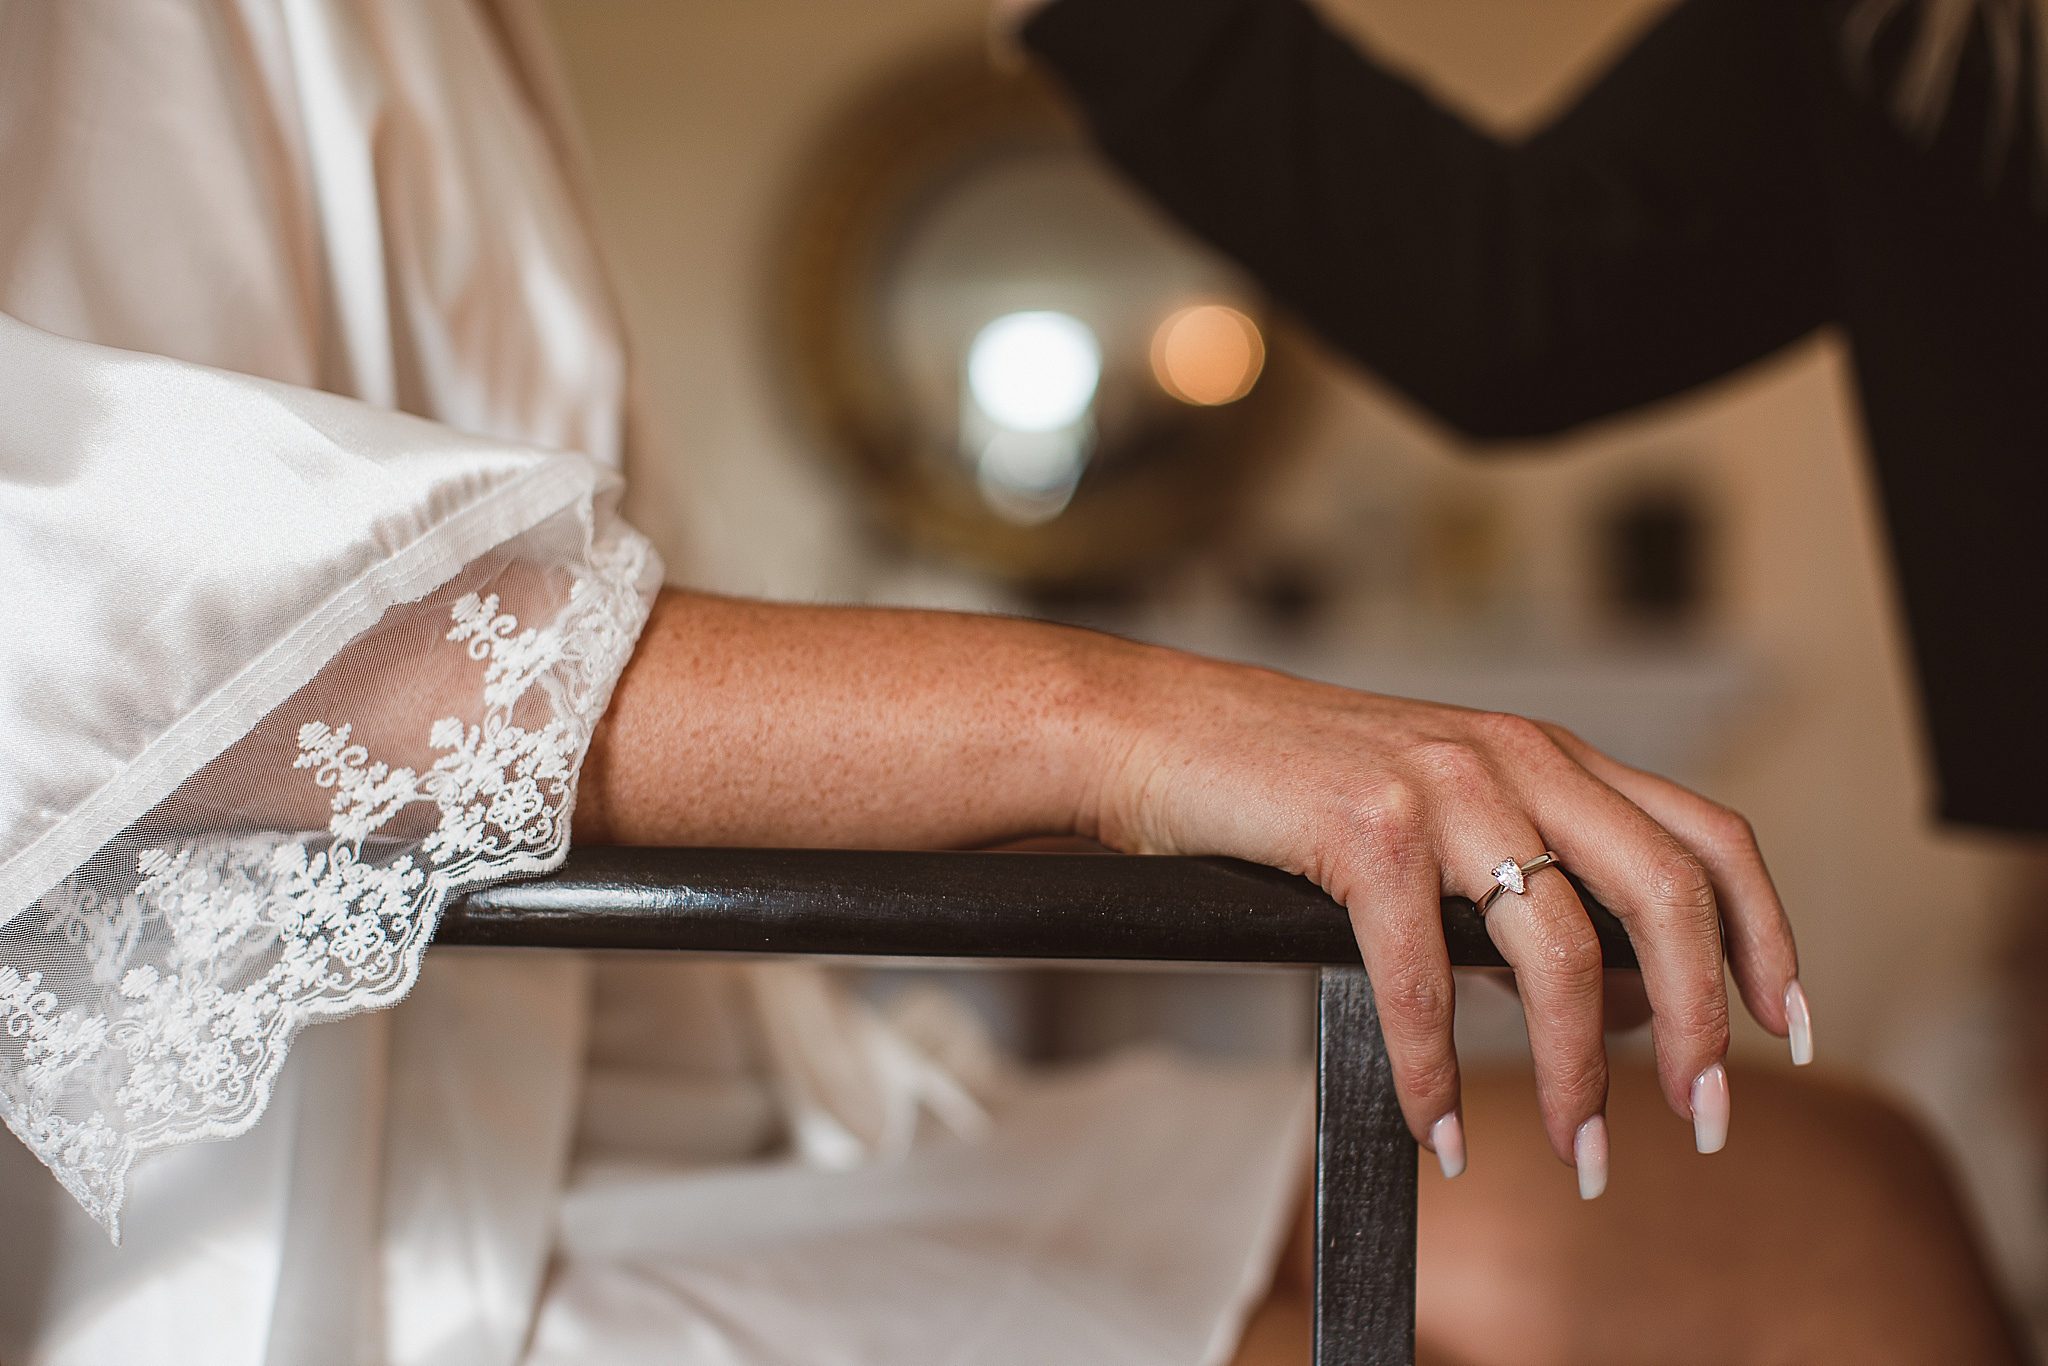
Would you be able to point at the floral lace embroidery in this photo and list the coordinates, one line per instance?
(174, 1017)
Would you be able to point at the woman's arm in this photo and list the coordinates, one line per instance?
(741, 722)
(753, 723)
(1666, 229)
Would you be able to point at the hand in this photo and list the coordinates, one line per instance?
(743, 723)
(1389, 804)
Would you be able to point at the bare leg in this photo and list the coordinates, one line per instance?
(1827, 1231)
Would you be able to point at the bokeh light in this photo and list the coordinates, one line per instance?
(1208, 355)
(1035, 371)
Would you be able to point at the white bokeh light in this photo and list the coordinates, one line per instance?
(1034, 371)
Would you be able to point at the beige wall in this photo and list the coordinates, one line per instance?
(697, 113)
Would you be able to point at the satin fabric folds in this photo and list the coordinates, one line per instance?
(311, 579)
(298, 670)
(200, 544)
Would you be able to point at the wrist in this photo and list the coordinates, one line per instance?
(1118, 700)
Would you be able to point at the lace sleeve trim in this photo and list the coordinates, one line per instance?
(156, 1007)
(173, 757)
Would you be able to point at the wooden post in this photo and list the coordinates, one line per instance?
(1365, 1187)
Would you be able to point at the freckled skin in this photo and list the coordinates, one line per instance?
(749, 723)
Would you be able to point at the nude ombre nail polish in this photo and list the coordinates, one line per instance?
(1589, 1155)
(1447, 1138)
(1798, 1024)
(1710, 1109)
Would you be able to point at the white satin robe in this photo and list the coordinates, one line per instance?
(207, 573)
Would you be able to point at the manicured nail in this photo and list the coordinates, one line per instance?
(1799, 1024)
(1447, 1138)
(1589, 1155)
(1710, 1109)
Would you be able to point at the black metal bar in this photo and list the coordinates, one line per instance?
(942, 905)
(1058, 906)
(1365, 1187)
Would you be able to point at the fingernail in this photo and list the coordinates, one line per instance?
(1447, 1138)
(1710, 1109)
(1799, 1024)
(1589, 1155)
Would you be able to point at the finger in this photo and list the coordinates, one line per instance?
(1762, 951)
(1547, 939)
(1395, 901)
(1663, 896)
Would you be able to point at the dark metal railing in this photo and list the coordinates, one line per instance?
(1057, 907)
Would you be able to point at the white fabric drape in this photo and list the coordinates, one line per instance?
(202, 544)
(266, 719)
(367, 199)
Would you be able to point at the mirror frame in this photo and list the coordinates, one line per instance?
(892, 150)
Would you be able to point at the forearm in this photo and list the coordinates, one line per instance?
(742, 722)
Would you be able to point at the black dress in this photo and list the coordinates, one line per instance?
(1732, 183)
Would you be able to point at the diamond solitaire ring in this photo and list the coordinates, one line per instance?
(1510, 876)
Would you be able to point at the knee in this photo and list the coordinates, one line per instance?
(1862, 1151)
(1893, 1269)
(1832, 1217)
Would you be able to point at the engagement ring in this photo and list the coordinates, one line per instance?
(1510, 876)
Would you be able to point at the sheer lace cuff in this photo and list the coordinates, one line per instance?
(149, 998)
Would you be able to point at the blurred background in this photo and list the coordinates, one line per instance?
(901, 340)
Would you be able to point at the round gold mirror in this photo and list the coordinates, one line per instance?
(1025, 368)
